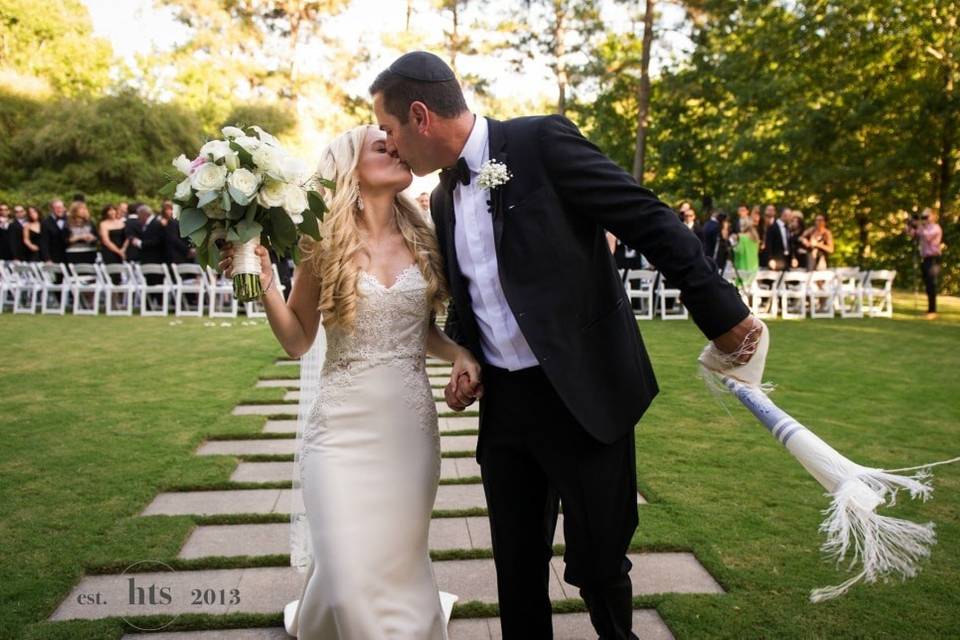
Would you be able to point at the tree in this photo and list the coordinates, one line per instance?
(561, 32)
(643, 93)
(53, 40)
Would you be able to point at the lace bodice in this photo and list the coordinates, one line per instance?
(391, 323)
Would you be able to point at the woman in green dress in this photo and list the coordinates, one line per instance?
(746, 252)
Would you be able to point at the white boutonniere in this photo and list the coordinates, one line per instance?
(493, 174)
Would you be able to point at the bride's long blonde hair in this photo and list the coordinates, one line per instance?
(333, 258)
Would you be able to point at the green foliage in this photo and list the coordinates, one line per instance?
(52, 40)
(277, 118)
(120, 144)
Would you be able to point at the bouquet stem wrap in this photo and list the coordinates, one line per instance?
(883, 546)
(246, 272)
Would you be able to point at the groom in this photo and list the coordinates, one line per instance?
(537, 300)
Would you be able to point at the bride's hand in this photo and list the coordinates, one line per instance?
(465, 384)
(226, 262)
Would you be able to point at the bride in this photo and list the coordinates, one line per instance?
(370, 459)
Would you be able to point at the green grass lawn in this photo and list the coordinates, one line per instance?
(101, 414)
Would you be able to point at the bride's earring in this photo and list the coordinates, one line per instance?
(359, 199)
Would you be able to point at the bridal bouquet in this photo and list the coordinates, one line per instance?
(247, 190)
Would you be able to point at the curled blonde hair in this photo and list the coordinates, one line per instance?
(333, 259)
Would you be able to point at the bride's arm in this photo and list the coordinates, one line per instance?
(458, 396)
(296, 320)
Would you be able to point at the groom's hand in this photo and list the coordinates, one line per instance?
(461, 392)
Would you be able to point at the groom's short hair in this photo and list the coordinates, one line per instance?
(443, 98)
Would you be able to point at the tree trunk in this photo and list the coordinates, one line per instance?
(643, 94)
(409, 14)
(863, 237)
(559, 51)
(947, 143)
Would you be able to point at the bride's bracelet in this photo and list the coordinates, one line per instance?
(269, 284)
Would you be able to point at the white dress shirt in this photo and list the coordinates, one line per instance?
(502, 342)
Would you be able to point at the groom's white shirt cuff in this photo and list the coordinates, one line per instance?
(500, 337)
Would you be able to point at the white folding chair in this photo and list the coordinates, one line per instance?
(147, 293)
(220, 293)
(764, 294)
(188, 280)
(640, 286)
(9, 285)
(254, 308)
(85, 282)
(118, 296)
(878, 290)
(56, 287)
(793, 295)
(850, 291)
(29, 285)
(822, 293)
(665, 293)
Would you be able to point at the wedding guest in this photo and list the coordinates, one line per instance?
(80, 235)
(743, 211)
(133, 229)
(113, 240)
(691, 222)
(769, 219)
(746, 250)
(930, 237)
(53, 239)
(777, 243)
(711, 235)
(31, 235)
(818, 241)
(723, 242)
(756, 217)
(177, 250)
(424, 201)
(6, 249)
(152, 240)
(17, 248)
(799, 254)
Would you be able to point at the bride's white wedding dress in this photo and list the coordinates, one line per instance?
(369, 465)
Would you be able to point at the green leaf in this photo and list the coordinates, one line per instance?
(251, 214)
(168, 189)
(199, 237)
(243, 155)
(317, 205)
(191, 220)
(213, 254)
(329, 184)
(247, 231)
(284, 231)
(236, 211)
(206, 197)
(309, 225)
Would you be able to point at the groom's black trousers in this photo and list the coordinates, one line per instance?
(534, 455)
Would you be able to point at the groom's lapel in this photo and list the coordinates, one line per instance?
(498, 152)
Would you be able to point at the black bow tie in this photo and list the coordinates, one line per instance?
(459, 172)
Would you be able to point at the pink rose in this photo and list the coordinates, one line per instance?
(196, 163)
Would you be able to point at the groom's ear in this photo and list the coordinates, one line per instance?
(420, 116)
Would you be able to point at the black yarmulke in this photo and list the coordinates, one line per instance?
(423, 67)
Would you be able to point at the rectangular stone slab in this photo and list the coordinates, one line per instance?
(268, 589)
(459, 423)
(291, 383)
(280, 426)
(247, 447)
(647, 624)
(265, 409)
(449, 497)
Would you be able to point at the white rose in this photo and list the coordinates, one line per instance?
(266, 137)
(176, 211)
(294, 201)
(232, 132)
(208, 177)
(293, 169)
(215, 148)
(183, 190)
(232, 161)
(244, 183)
(267, 159)
(272, 193)
(181, 164)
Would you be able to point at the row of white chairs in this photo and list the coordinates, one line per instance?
(120, 289)
(770, 294)
(818, 294)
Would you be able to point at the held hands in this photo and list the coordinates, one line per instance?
(465, 385)
(226, 262)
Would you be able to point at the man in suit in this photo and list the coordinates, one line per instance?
(176, 249)
(537, 300)
(777, 243)
(133, 229)
(17, 249)
(53, 234)
(151, 244)
(6, 248)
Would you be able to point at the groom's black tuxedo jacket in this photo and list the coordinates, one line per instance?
(559, 277)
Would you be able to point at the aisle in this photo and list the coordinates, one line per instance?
(246, 528)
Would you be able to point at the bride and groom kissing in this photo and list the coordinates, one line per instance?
(540, 334)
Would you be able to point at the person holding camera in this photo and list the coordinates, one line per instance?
(929, 237)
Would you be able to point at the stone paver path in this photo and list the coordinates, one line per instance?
(267, 589)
